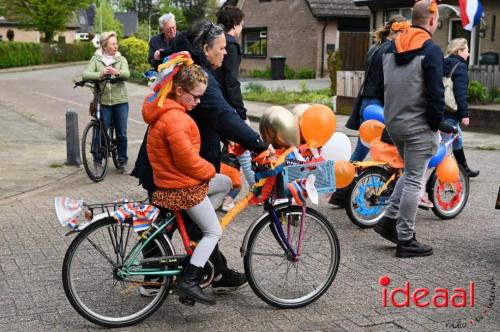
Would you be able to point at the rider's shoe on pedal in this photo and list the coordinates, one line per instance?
(229, 281)
(188, 285)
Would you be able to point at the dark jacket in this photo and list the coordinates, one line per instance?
(215, 118)
(227, 76)
(373, 85)
(460, 80)
(413, 86)
(158, 42)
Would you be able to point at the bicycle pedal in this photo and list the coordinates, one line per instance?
(187, 301)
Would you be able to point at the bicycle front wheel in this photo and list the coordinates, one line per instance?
(449, 199)
(279, 279)
(94, 152)
(91, 278)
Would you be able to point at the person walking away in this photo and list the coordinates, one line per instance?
(108, 62)
(160, 43)
(181, 176)
(372, 86)
(232, 19)
(456, 66)
(413, 108)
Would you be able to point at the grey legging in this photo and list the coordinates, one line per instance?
(203, 215)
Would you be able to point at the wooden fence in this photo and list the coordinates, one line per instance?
(349, 82)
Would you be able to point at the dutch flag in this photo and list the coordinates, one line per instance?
(471, 12)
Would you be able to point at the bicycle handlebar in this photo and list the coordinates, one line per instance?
(447, 128)
(107, 79)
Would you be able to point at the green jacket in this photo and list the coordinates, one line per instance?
(115, 93)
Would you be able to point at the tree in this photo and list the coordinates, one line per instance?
(46, 16)
(109, 22)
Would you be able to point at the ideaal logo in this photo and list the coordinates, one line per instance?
(422, 297)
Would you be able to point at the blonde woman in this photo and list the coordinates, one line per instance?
(456, 65)
(108, 62)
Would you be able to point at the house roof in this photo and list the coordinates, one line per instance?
(130, 22)
(336, 8)
(384, 3)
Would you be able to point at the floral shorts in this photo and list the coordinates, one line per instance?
(182, 198)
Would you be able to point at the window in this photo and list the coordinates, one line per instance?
(255, 42)
(82, 19)
(456, 30)
(390, 12)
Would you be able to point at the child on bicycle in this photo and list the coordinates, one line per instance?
(181, 176)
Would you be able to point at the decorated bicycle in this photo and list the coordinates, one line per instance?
(291, 253)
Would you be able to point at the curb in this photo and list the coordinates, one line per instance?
(42, 67)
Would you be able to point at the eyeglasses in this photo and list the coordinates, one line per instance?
(195, 97)
(207, 33)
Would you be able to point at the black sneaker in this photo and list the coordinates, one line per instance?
(338, 198)
(386, 228)
(231, 281)
(413, 248)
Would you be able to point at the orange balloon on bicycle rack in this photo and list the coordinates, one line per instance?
(344, 173)
(447, 171)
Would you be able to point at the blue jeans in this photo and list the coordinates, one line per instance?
(361, 151)
(245, 161)
(118, 114)
(459, 142)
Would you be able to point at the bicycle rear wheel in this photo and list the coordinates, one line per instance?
(91, 281)
(364, 204)
(449, 199)
(275, 276)
(113, 147)
(94, 152)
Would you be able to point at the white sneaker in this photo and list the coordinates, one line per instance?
(148, 292)
(227, 206)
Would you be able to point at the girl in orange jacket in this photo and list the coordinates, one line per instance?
(180, 174)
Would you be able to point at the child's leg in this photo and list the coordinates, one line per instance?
(246, 165)
(205, 218)
(218, 188)
(233, 193)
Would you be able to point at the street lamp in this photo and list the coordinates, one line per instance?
(149, 24)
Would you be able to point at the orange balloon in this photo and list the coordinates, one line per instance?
(370, 129)
(447, 171)
(317, 125)
(344, 173)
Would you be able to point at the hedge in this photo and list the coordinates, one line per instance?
(136, 52)
(18, 54)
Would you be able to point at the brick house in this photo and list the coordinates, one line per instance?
(33, 36)
(484, 38)
(303, 31)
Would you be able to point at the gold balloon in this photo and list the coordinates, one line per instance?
(279, 127)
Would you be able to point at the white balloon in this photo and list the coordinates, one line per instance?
(337, 148)
(299, 109)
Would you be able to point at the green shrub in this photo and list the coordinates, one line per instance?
(494, 95)
(299, 74)
(136, 52)
(476, 92)
(16, 54)
(80, 51)
(256, 88)
(260, 73)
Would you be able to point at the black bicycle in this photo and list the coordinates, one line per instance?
(97, 143)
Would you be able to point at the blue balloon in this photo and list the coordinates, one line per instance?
(374, 112)
(438, 157)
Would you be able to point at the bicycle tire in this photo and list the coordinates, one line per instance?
(92, 146)
(87, 272)
(449, 200)
(274, 291)
(364, 208)
(113, 147)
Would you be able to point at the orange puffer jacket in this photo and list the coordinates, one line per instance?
(174, 146)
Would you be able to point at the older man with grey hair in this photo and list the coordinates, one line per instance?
(162, 41)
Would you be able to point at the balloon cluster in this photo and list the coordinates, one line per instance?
(313, 126)
(373, 126)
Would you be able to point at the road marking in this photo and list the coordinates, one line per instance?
(61, 99)
(79, 104)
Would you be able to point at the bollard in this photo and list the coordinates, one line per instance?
(72, 139)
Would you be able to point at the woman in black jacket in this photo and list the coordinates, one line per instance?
(455, 64)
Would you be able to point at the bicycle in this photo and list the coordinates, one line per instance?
(291, 256)
(98, 144)
(369, 195)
